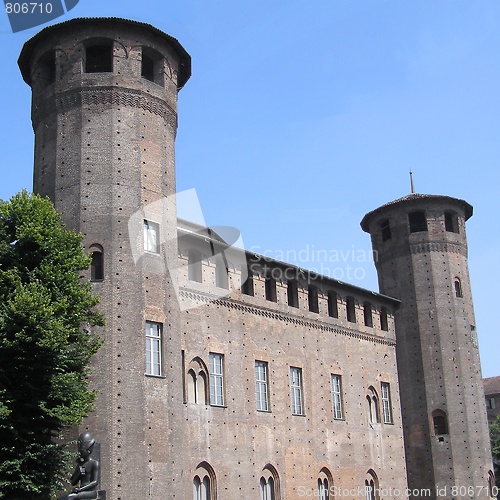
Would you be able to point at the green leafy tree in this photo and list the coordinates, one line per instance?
(46, 313)
(495, 438)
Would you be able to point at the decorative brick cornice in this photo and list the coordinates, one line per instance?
(104, 98)
(438, 246)
(230, 303)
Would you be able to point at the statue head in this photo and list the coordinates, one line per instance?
(85, 443)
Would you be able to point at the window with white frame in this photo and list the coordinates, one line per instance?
(266, 488)
(386, 403)
(151, 237)
(337, 397)
(323, 489)
(216, 379)
(261, 387)
(153, 348)
(296, 391)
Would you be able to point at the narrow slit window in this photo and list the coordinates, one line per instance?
(293, 293)
(350, 305)
(312, 295)
(367, 314)
(333, 308)
(385, 229)
(270, 285)
(247, 287)
(384, 324)
(458, 288)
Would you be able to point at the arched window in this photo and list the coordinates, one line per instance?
(367, 314)
(293, 293)
(204, 483)
(333, 309)
(325, 483)
(312, 295)
(373, 406)
(491, 484)
(458, 288)
(197, 382)
(439, 422)
(99, 56)
(269, 484)
(417, 221)
(384, 325)
(195, 265)
(350, 305)
(385, 230)
(97, 264)
(371, 486)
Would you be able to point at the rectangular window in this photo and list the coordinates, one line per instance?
(151, 237)
(153, 348)
(386, 403)
(216, 379)
(490, 403)
(261, 387)
(337, 397)
(296, 391)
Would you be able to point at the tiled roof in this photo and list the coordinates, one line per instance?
(491, 385)
(365, 223)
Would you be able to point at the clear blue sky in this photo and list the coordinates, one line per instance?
(301, 116)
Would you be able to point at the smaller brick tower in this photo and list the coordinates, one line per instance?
(421, 246)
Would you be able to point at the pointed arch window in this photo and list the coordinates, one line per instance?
(204, 483)
(269, 484)
(197, 379)
(371, 486)
(325, 483)
(373, 406)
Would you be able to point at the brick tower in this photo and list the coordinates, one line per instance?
(421, 246)
(104, 112)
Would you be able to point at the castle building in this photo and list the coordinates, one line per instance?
(225, 374)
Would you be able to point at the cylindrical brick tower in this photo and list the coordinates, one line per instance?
(421, 256)
(104, 112)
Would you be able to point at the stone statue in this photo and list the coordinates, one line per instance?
(86, 472)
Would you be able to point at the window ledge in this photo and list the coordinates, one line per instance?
(154, 376)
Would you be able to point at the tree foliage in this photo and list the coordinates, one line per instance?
(495, 437)
(46, 311)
